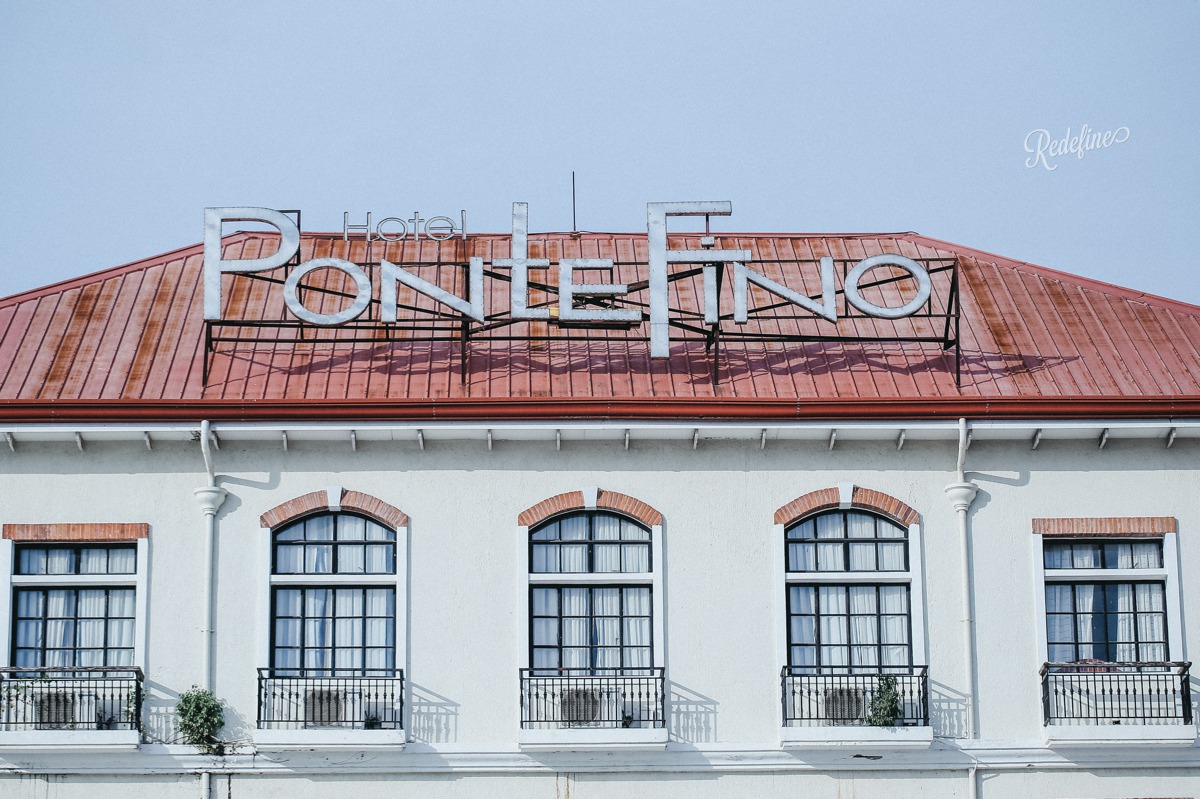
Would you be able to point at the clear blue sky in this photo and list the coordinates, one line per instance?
(120, 122)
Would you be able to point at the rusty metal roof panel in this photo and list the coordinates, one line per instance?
(134, 333)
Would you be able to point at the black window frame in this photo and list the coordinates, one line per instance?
(592, 669)
(1103, 544)
(334, 543)
(791, 537)
(332, 670)
(44, 618)
(849, 667)
(591, 541)
(77, 558)
(1108, 644)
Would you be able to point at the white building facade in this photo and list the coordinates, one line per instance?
(908, 594)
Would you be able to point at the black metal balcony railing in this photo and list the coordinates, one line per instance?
(551, 699)
(82, 698)
(300, 699)
(818, 697)
(1094, 692)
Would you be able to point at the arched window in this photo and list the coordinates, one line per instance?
(340, 627)
(848, 625)
(580, 626)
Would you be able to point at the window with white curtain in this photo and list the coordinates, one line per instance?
(1103, 603)
(596, 618)
(333, 627)
(63, 617)
(842, 616)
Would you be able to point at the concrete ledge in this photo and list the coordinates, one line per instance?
(70, 740)
(1099, 734)
(576, 739)
(275, 740)
(860, 737)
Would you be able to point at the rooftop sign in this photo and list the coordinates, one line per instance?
(579, 303)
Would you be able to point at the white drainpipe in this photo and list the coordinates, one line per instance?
(961, 494)
(210, 498)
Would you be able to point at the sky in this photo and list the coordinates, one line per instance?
(121, 121)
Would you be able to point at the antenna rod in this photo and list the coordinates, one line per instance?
(574, 224)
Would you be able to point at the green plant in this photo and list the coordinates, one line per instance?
(885, 704)
(200, 715)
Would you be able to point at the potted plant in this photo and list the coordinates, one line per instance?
(886, 705)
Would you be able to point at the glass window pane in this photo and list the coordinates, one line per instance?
(381, 559)
(318, 559)
(574, 558)
(351, 559)
(289, 559)
(319, 528)
(120, 633)
(573, 528)
(1056, 555)
(380, 632)
(60, 561)
(893, 599)
(631, 531)
(606, 558)
(93, 560)
(548, 532)
(1152, 653)
(1085, 556)
(1147, 556)
(90, 632)
(862, 557)
(637, 601)
(636, 632)
(1062, 653)
(1149, 596)
(293, 532)
(635, 558)
(381, 602)
(1059, 599)
(317, 602)
(60, 604)
(830, 526)
(349, 632)
(803, 630)
(803, 656)
(122, 560)
(802, 557)
(32, 561)
(576, 632)
(606, 527)
(860, 525)
(545, 658)
(888, 529)
(287, 602)
(1118, 556)
(893, 629)
(576, 602)
(891, 557)
(377, 532)
(1151, 627)
(801, 599)
(607, 632)
(30, 604)
(1060, 627)
(831, 557)
(545, 601)
(287, 632)
(29, 634)
(835, 630)
(607, 602)
(545, 558)
(833, 599)
(351, 528)
(804, 530)
(545, 632)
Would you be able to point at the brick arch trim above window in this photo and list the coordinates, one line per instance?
(315, 501)
(605, 500)
(862, 498)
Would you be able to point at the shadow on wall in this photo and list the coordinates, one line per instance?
(160, 723)
(947, 711)
(434, 717)
(692, 716)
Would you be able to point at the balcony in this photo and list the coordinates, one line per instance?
(76, 707)
(564, 710)
(298, 707)
(1094, 701)
(831, 706)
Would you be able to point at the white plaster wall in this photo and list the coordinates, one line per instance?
(720, 581)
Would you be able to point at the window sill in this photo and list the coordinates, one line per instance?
(275, 740)
(1099, 734)
(69, 740)
(585, 738)
(880, 737)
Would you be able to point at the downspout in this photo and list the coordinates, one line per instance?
(210, 498)
(961, 494)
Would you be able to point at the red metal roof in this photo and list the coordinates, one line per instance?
(128, 343)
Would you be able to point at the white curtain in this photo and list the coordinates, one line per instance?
(93, 561)
(122, 560)
(351, 528)
(59, 561)
(637, 628)
(860, 525)
(1147, 556)
(891, 557)
(606, 557)
(574, 557)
